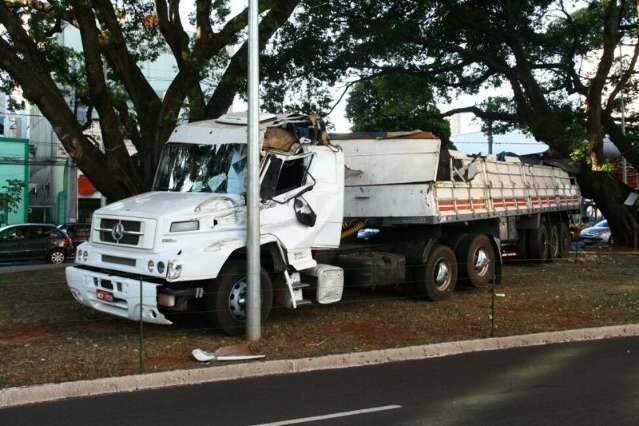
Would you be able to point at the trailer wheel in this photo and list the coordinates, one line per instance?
(226, 298)
(522, 243)
(564, 239)
(554, 242)
(538, 243)
(476, 260)
(439, 274)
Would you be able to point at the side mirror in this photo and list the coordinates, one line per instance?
(304, 212)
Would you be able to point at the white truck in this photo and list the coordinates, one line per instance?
(441, 216)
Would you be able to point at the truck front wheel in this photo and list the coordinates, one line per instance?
(439, 273)
(226, 298)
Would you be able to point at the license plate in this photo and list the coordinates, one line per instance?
(104, 295)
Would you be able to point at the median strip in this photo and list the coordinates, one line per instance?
(50, 392)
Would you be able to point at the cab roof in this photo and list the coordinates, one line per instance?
(230, 128)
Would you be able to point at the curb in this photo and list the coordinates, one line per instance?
(16, 396)
(12, 269)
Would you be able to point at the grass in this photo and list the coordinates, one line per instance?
(48, 337)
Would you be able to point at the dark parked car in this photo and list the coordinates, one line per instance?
(78, 232)
(34, 241)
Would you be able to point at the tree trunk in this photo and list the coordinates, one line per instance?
(610, 194)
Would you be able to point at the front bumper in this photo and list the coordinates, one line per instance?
(591, 239)
(126, 292)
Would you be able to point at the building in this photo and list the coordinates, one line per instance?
(14, 167)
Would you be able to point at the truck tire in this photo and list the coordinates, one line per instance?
(439, 274)
(538, 243)
(522, 243)
(565, 239)
(476, 257)
(554, 242)
(226, 298)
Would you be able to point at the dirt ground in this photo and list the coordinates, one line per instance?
(45, 336)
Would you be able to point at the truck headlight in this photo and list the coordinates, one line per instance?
(160, 267)
(85, 256)
(189, 225)
(174, 270)
(150, 265)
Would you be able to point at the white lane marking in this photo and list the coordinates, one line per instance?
(331, 416)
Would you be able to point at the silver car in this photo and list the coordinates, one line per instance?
(599, 233)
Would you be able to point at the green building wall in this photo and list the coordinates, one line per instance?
(14, 164)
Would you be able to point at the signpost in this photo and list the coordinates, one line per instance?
(254, 299)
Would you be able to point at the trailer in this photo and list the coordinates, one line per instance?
(441, 217)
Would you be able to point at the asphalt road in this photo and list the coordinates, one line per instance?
(593, 383)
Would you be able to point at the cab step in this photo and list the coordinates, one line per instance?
(303, 302)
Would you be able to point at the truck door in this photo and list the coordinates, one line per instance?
(285, 181)
(308, 210)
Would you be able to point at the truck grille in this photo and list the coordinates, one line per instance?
(124, 232)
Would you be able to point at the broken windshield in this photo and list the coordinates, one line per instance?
(188, 167)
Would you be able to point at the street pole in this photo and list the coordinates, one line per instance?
(490, 137)
(254, 299)
(624, 162)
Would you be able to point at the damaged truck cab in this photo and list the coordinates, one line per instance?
(185, 241)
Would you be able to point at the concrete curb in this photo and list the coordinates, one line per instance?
(11, 397)
(12, 269)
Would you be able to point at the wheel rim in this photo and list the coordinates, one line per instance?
(237, 300)
(57, 257)
(481, 262)
(442, 275)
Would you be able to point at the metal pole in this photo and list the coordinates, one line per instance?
(254, 300)
(623, 122)
(490, 137)
(141, 342)
(493, 295)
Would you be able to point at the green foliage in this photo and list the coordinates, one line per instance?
(395, 103)
(11, 195)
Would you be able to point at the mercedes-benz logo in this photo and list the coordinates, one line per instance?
(117, 232)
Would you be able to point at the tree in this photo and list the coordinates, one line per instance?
(537, 49)
(106, 77)
(10, 197)
(394, 103)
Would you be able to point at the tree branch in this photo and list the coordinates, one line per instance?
(146, 101)
(235, 73)
(171, 28)
(612, 17)
(623, 80)
(484, 115)
(101, 97)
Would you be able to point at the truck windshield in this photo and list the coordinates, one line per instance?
(186, 167)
